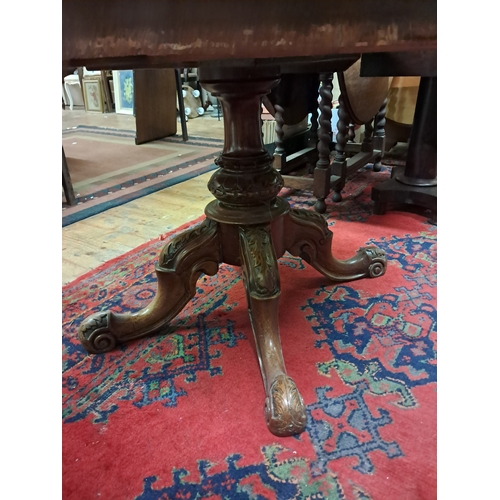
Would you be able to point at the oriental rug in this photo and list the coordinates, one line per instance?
(180, 415)
(108, 169)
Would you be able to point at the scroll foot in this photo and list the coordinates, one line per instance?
(309, 238)
(284, 408)
(95, 334)
(181, 263)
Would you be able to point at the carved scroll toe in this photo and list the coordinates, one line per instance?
(376, 261)
(95, 334)
(285, 410)
(309, 238)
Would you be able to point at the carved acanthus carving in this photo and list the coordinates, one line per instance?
(181, 241)
(245, 181)
(310, 239)
(310, 218)
(261, 267)
(285, 409)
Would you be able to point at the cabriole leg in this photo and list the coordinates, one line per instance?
(284, 408)
(181, 263)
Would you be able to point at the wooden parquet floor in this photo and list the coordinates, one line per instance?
(95, 240)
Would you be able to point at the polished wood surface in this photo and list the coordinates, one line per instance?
(187, 33)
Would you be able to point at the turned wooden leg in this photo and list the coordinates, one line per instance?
(308, 237)
(279, 152)
(322, 171)
(312, 140)
(351, 133)
(339, 164)
(367, 144)
(284, 408)
(379, 137)
(181, 263)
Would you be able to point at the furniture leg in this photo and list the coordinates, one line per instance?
(367, 144)
(312, 141)
(279, 152)
(416, 182)
(322, 171)
(180, 100)
(379, 137)
(351, 134)
(313, 131)
(284, 408)
(339, 165)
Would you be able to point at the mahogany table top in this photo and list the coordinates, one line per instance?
(190, 33)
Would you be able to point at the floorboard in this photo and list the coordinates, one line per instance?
(88, 243)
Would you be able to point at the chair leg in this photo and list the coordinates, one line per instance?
(279, 152)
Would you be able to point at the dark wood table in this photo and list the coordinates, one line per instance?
(241, 48)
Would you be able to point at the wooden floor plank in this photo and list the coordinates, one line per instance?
(88, 243)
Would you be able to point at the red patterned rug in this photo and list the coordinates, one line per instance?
(180, 415)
